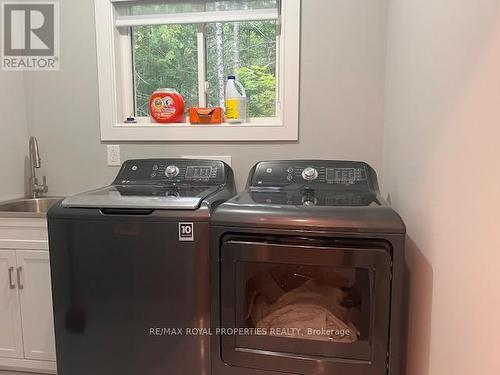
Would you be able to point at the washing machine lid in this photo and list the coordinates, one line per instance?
(158, 184)
(155, 197)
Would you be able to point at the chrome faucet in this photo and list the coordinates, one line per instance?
(36, 190)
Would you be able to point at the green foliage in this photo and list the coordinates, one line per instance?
(260, 87)
(257, 54)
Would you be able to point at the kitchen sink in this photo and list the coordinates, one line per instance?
(30, 205)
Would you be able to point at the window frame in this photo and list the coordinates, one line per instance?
(116, 86)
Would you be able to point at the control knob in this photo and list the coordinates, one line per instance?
(309, 201)
(171, 171)
(309, 174)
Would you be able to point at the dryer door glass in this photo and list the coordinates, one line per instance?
(298, 301)
(296, 304)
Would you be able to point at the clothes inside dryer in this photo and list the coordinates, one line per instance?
(307, 302)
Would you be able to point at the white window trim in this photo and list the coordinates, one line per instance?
(114, 73)
(198, 17)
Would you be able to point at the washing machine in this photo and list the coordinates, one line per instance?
(308, 267)
(130, 269)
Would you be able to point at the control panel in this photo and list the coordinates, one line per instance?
(329, 173)
(173, 171)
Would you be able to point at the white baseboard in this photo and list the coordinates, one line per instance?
(28, 365)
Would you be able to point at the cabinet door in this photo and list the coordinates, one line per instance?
(11, 340)
(36, 304)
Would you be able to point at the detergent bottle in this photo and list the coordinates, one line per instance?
(236, 101)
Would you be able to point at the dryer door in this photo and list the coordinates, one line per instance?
(305, 306)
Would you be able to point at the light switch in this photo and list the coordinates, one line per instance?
(114, 155)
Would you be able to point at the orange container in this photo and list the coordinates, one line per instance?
(166, 106)
(205, 115)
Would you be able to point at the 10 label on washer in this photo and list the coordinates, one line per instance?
(186, 232)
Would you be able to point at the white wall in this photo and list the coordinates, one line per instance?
(13, 135)
(341, 103)
(441, 169)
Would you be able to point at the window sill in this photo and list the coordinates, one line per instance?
(270, 129)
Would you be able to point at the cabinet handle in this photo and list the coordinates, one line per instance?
(11, 282)
(19, 270)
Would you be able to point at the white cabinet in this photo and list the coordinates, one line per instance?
(26, 321)
(11, 339)
(36, 304)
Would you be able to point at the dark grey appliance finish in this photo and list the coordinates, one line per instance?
(308, 235)
(132, 259)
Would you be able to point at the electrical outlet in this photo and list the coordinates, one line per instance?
(226, 158)
(114, 155)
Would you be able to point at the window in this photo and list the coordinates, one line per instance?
(192, 46)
